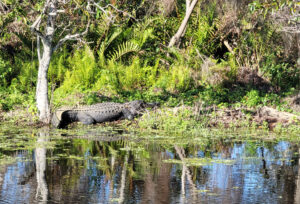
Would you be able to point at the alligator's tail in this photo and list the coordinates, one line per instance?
(55, 121)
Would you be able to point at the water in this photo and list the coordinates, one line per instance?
(104, 167)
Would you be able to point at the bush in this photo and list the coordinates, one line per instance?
(252, 98)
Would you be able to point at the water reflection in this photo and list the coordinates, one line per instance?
(40, 163)
(109, 169)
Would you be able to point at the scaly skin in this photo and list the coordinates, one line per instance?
(98, 113)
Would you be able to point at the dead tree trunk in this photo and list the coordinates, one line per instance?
(42, 100)
(189, 8)
(42, 86)
(50, 11)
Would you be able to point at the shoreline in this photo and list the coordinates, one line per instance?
(184, 118)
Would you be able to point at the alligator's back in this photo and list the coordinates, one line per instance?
(100, 112)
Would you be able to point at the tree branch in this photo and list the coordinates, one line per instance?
(34, 27)
(38, 45)
(76, 36)
(289, 20)
(112, 16)
(120, 11)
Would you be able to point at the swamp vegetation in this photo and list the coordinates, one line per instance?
(228, 127)
(232, 55)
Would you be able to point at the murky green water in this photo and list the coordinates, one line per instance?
(93, 166)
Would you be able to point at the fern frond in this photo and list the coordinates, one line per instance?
(123, 49)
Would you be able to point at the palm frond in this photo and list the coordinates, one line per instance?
(123, 49)
(104, 45)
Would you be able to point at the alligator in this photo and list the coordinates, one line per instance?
(98, 113)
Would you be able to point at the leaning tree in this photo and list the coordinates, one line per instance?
(180, 33)
(60, 21)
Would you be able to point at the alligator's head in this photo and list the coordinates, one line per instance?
(137, 106)
(152, 105)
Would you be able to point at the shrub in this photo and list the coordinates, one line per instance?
(252, 98)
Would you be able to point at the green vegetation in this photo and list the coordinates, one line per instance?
(200, 161)
(228, 57)
(187, 121)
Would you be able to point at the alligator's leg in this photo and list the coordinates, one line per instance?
(85, 118)
(127, 114)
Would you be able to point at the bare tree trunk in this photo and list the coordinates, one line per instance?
(187, 5)
(183, 25)
(42, 85)
(44, 61)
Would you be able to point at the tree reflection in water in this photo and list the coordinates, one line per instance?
(40, 163)
(109, 169)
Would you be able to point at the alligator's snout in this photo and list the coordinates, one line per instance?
(140, 104)
(152, 105)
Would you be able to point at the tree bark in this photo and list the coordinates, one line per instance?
(42, 82)
(42, 85)
(183, 25)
